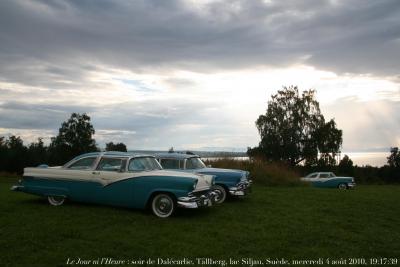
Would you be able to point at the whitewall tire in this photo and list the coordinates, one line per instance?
(56, 200)
(342, 186)
(163, 205)
(220, 194)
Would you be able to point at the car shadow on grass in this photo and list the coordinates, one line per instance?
(195, 213)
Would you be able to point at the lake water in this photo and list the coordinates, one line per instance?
(377, 159)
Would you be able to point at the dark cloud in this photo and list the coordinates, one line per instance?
(345, 36)
(22, 115)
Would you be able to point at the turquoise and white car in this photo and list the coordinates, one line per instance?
(119, 179)
(329, 180)
(227, 181)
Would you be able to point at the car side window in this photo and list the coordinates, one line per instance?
(314, 175)
(110, 164)
(324, 175)
(170, 164)
(189, 164)
(83, 164)
(143, 164)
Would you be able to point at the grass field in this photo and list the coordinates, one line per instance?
(273, 222)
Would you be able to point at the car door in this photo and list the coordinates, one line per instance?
(116, 186)
(77, 180)
(323, 180)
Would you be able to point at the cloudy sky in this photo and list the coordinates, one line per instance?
(197, 74)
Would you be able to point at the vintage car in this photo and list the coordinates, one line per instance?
(119, 179)
(329, 179)
(227, 181)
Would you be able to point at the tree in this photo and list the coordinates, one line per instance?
(16, 154)
(346, 166)
(394, 158)
(329, 141)
(74, 138)
(294, 130)
(3, 154)
(171, 150)
(37, 153)
(116, 147)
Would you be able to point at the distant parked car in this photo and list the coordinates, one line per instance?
(119, 179)
(329, 179)
(227, 181)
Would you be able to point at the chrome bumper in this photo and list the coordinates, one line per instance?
(351, 185)
(16, 188)
(241, 189)
(194, 202)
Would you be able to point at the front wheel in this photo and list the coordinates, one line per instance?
(163, 205)
(342, 186)
(56, 200)
(220, 194)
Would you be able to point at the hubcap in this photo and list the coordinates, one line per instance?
(342, 186)
(220, 194)
(163, 205)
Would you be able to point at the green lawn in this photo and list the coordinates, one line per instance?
(273, 222)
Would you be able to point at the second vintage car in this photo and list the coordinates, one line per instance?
(329, 180)
(119, 179)
(227, 181)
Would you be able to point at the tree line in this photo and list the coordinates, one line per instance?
(75, 137)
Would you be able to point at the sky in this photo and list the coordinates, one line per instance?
(197, 74)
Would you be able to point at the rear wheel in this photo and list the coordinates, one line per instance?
(220, 194)
(56, 200)
(342, 186)
(163, 205)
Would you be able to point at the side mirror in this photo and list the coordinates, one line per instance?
(209, 166)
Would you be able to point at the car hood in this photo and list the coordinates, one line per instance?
(224, 174)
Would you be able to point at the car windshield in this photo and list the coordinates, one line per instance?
(143, 164)
(194, 163)
(312, 175)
